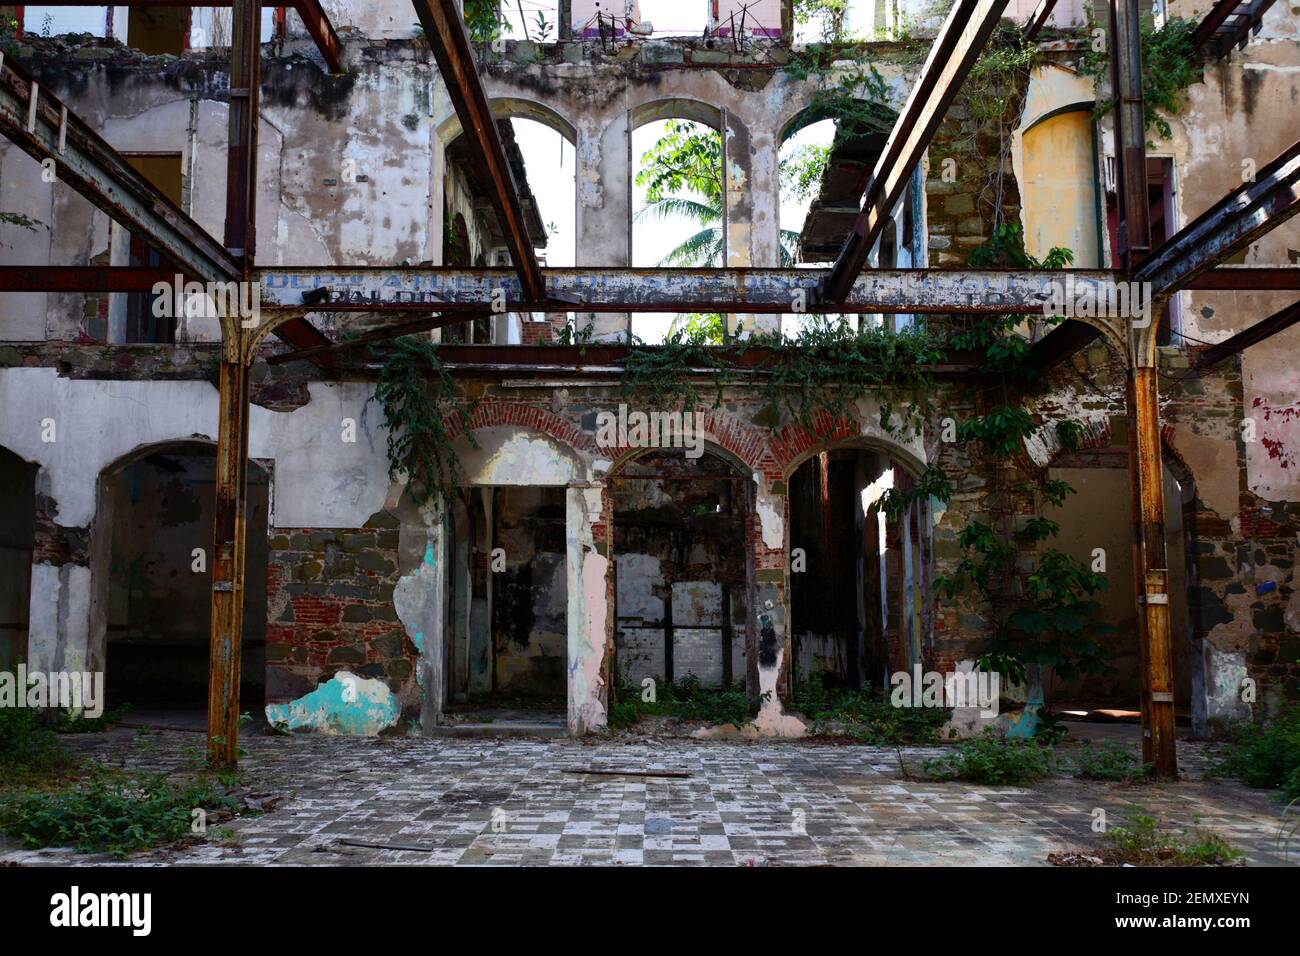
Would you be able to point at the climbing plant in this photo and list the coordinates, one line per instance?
(417, 395)
(1170, 64)
(1042, 604)
(829, 365)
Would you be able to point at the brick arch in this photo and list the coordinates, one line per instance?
(741, 441)
(794, 443)
(490, 414)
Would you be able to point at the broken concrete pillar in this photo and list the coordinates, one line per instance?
(604, 216)
(588, 584)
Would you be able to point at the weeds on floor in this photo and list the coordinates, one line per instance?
(842, 711)
(1144, 842)
(73, 724)
(113, 811)
(1111, 761)
(1267, 754)
(30, 753)
(682, 700)
(994, 760)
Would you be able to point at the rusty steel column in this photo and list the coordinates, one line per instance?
(228, 547)
(1150, 573)
(1146, 470)
(229, 517)
(241, 161)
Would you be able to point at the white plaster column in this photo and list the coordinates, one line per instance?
(420, 600)
(588, 573)
(760, 204)
(604, 213)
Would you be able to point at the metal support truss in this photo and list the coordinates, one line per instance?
(951, 57)
(446, 34)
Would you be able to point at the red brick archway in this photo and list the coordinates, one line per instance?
(491, 414)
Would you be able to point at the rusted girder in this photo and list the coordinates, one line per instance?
(1241, 217)
(451, 48)
(322, 32)
(1212, 356)
(241, 155)
(229, 520)
(291, 290)
(329, 348)
(314, 18)
(952, 55)
(44, 128)
(1228, 23)
(1038, 19)
(1134, 208)
(1252, 278)
(84, 278)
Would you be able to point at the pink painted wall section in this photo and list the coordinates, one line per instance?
(585, 14)
(1068, 13)
(760, 17)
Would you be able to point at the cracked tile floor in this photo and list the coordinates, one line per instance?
(793, 803)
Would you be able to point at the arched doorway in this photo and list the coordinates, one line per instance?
(17, 541)
(153, 527)
(682, 570)
(860, 582)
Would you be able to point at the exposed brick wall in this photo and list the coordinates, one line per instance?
(330, 608)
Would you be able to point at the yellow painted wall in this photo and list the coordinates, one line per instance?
(1059, 189)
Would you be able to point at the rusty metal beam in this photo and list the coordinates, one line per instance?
(318, 25)
(331, 348)
(1247, 278)
(229, 539)
(1227, 227)
(446, 34)
(1215, 18)
(1134, 208)
(142, 278)
(229, 521)
(954, 52)
(84, 278)
(44, 128)
(293, 290)
(1038, 19)
(313, 15)
(1212, 356)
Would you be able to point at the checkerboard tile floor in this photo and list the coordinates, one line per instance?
(509, 802)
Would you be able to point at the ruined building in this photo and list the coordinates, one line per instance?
(567, 564)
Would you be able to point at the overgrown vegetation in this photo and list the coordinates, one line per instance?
(1111, 761)
(1266, 754)
(843, 711)
(29, 751)
(113, 811)
(1145, 842)
(680, 700)
(995, 761)
(420, 402)
(1170, 64)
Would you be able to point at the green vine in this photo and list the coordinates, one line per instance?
(1042, 610)
(1170, 65)
(415, 392)
(830, 366)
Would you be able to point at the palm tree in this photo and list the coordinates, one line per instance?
(688, 158)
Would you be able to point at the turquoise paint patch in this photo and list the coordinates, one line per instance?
(428, 553)
(418, 641)
(345, 705)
